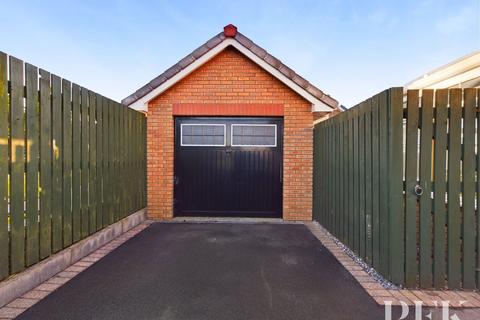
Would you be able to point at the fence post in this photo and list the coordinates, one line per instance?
(4, 127)
(411, 180)
(32, 132)
(395, 186)
(17, 166)
(454, 185)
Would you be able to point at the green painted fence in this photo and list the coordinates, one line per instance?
(395, 179)
(71, 163)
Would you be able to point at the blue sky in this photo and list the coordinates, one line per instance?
(350, 49)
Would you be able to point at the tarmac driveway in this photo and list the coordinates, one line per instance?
(213, 271)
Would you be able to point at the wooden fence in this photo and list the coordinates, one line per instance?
(71, 163)
(397, 182)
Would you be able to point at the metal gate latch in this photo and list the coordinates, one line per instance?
(418, 190)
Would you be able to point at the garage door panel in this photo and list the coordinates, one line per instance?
(243, 178)
(202, 179)
(254, 168)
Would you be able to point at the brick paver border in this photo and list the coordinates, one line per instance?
(429, 298)
(19, 305)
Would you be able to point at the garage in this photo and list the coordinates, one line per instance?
(228, 167)
(230, 133)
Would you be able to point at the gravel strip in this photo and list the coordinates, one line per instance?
(359, 261)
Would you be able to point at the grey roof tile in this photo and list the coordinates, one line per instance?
(289, 73)
(244, 40)
(173, 70)
(300, 81)
(129, 100)
(158, 80)
(260, 52)
(271, 60)
(331, 101)
(315, 91)
(249, 44)
(144, 90)
(200, 51)
(214, 42)
(186, 61)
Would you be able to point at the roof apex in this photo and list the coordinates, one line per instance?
(230, 33)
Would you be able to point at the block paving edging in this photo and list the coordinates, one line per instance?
(429, 298)
(26, 301)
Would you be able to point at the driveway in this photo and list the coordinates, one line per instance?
(213, 271)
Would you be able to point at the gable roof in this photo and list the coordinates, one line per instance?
(321, 102)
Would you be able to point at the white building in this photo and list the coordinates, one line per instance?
(460, 73)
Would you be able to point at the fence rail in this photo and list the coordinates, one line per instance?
(71, 163)
(398, 183)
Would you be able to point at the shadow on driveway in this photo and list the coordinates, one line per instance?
(213, 271)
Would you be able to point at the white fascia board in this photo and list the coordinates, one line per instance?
(317, 105)
(443, 73)
(456, 80)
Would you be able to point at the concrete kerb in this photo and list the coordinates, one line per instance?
(230, 220)
(18, 284)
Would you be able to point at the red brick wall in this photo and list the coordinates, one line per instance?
(231, 78)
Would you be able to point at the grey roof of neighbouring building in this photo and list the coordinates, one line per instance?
(250, 45)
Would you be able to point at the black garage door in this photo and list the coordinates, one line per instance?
(228, 167)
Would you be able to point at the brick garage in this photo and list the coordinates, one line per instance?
(230, 76)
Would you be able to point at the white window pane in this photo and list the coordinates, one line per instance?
(254, 135)
(202, 134)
